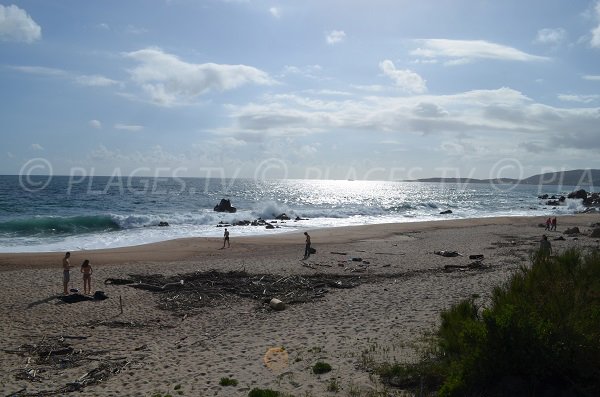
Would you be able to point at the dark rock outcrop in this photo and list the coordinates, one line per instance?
(446, 212)
(225, 206)
(573, 230)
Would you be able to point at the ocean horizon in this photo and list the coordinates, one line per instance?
(60, 213)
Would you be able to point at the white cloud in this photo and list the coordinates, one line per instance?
(275, 12)
(17, 25)
(595, 41)
(591, 77)
(37, 146)
(463, 51)
(230, 141)
(129, 127)
(310, 71)
(95, 81)
(578, 98)
(335, 36)
(95, 124)
(84, 80)
(551, 36)
(406, 80)
(170, 81)
(40, 70)
(487, 114)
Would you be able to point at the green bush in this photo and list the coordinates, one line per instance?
(228, 382)
(540, 336)
(321, 368)
(256, 392)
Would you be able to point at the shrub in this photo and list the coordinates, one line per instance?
(540, 336)
(321, 368)
(256, 392)
(228, 382)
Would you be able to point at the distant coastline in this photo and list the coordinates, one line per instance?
(588, 177)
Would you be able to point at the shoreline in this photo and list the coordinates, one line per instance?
(192, 248)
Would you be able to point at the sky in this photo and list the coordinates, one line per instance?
(317, 89)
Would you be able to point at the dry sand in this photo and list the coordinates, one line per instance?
(381, 320)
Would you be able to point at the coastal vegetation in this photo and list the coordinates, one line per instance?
(539, 336)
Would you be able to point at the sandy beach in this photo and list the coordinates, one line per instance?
(402, 288)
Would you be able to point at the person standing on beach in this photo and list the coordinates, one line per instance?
(307, 246)
(553, 224)
(226, 238)
(86, 269)
(66, 272)
(545, 247)
(548, 224)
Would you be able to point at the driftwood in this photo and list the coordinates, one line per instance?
(447, 253)
(53, 354)
(188, 292)
(472, 265)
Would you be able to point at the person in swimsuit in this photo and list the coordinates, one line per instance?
(226, 239)
(66, 272)
(86, 269)
(307, 246)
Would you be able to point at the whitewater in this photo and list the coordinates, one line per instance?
(39, 214)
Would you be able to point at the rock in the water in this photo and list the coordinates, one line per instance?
(163, 223)
(282, 217)
(579, 194)
(225, 206)
(446, 212)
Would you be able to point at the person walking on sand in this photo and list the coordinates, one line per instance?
(226, 238)
(66, 263)
(548, 224)
(545, 247)
(553, 227)
(307, 246)
(86, 269)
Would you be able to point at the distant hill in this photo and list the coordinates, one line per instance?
(568, 178)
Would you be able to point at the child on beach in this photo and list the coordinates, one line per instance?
(86, 269)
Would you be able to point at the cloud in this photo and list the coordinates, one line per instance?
(578, 98)
(275, 12)
(551, 36)
(170, 81)
(502, 116)
(17, 25)
(591, 77)
(84, 80)
(406, 80)
(95, 124)
(464, 51)
(95, 81)
(129, 127)
(595, 41)
(335, 36)
(37, 146)
(309, 71)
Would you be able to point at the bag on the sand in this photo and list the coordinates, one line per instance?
(100, 296)
(312, 250)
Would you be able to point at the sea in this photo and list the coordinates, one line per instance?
(62, 213)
